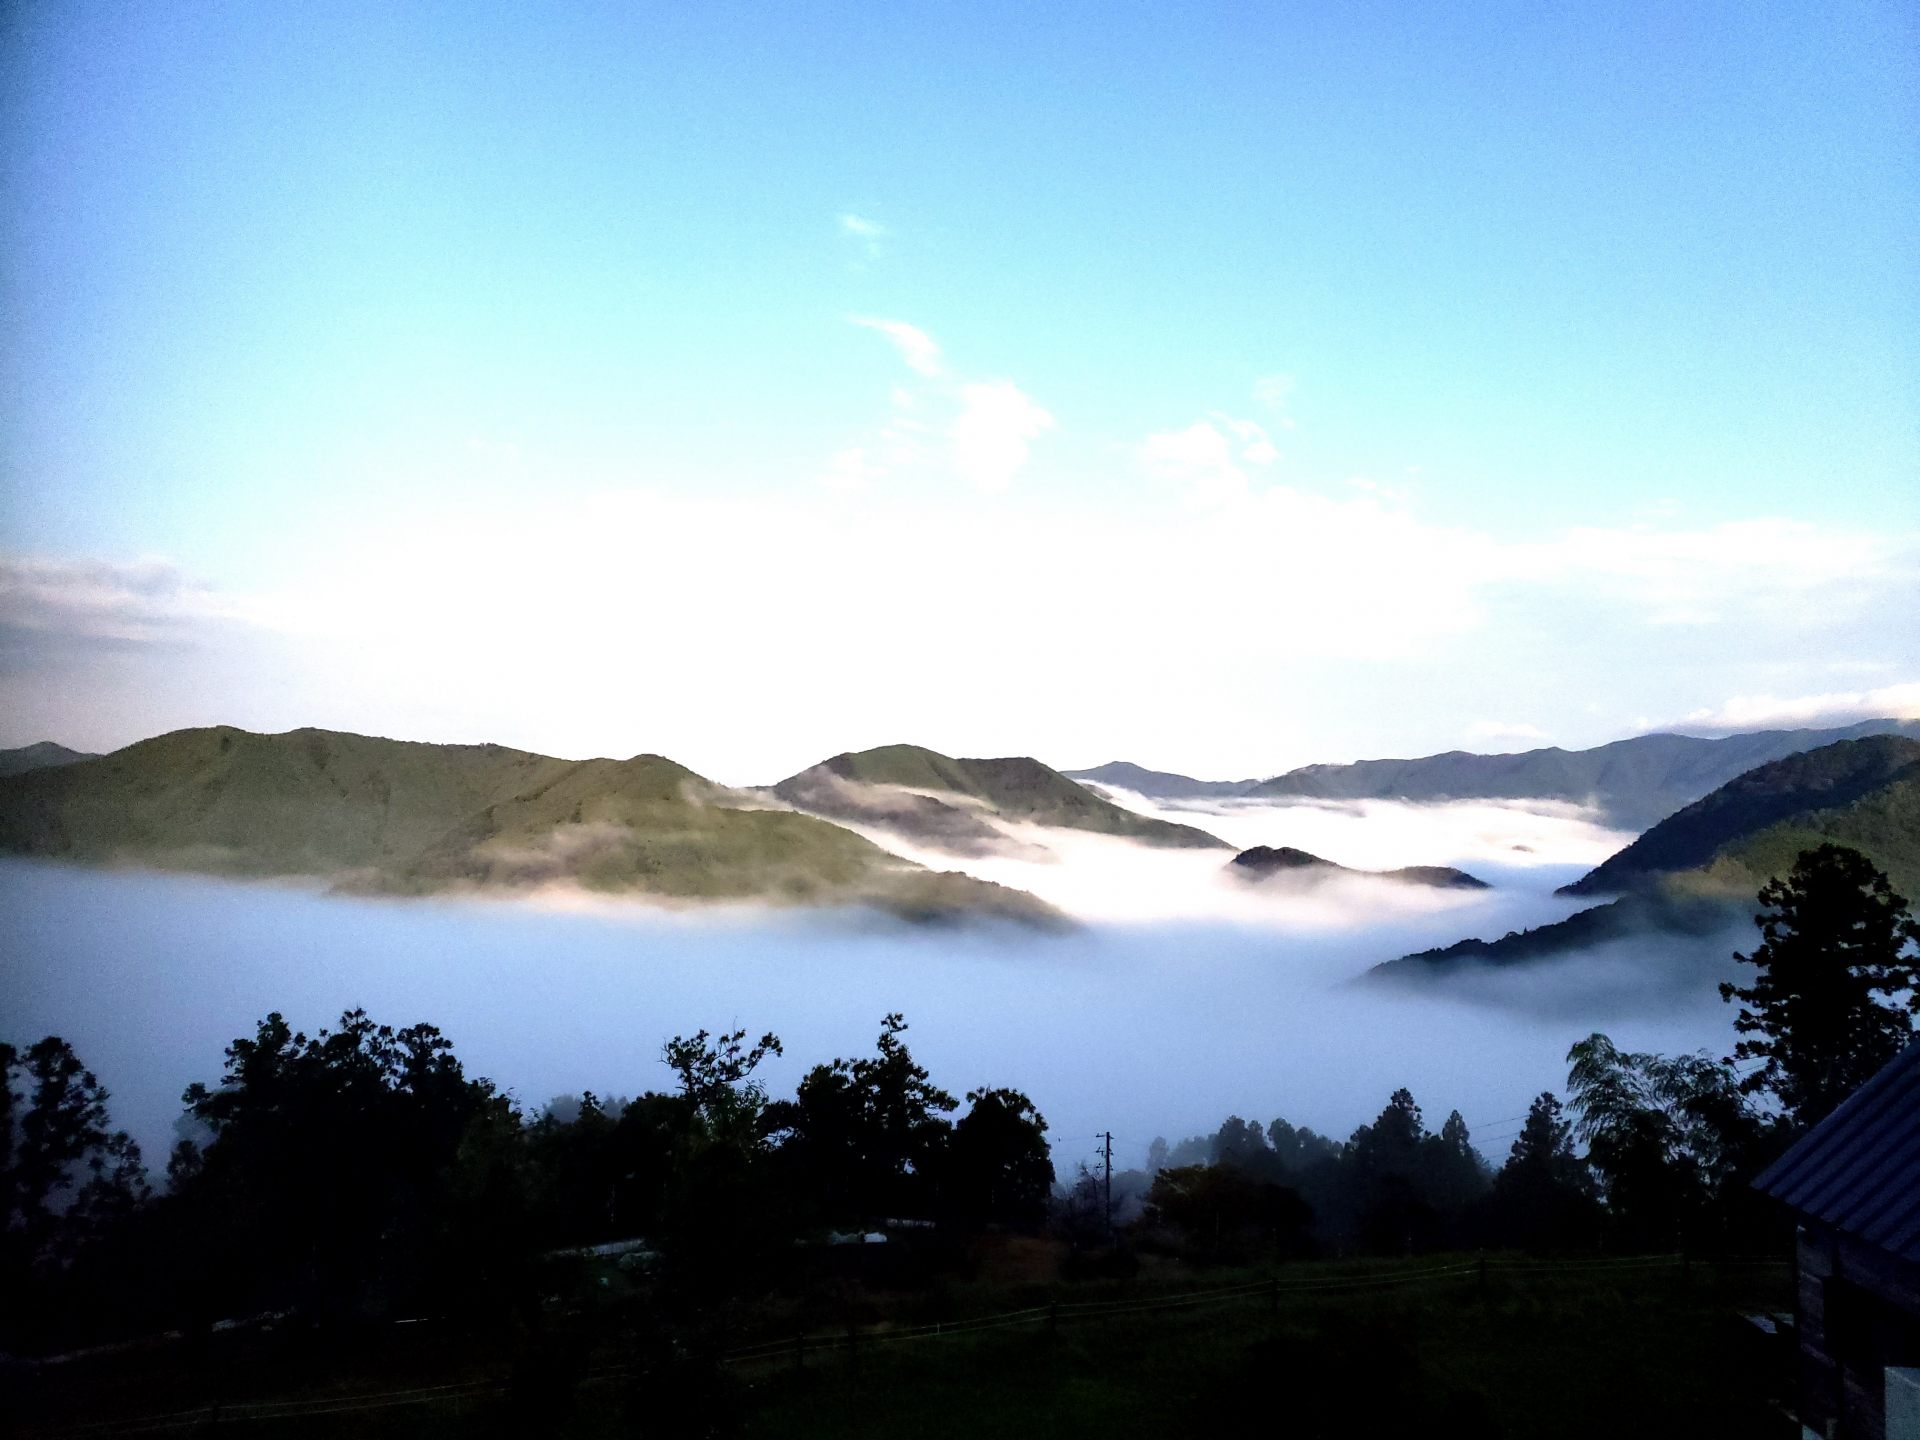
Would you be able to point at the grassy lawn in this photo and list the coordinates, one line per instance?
(1573, 1351)
(1553, 1354)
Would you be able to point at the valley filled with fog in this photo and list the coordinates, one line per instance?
(1182, 995)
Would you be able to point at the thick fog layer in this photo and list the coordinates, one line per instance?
(1524, 851)
(1159, 1024)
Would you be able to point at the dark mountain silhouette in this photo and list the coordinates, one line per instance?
(42, 755)
(1634, 782)
(1159, 784)
(1630, 917)
(1268, 862)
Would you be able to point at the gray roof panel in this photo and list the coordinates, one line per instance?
(1858, 1170)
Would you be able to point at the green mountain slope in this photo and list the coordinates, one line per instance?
(1701, 869)
(1860, 793)
(1635, 782)
(953, 803)
(1268, 862)
(397, 816)
(41, 755)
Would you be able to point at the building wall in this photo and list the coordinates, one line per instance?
(1859, 1312)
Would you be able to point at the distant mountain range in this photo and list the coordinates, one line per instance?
(1698, 868)
(392, 816)
(43, 755)
(957, 805)
(1159, 784)
(1634, 783)
(1265, 863)
(398, 817)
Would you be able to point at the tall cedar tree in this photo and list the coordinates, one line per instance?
(1835, 937)
(63, 1174)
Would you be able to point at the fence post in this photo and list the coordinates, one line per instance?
(799, 1350)
(1273, 1296)
(1053, 1317)
(1483, 1274)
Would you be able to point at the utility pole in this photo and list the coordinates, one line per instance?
(1106, 1151)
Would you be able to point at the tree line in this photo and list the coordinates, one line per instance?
(360, 1173)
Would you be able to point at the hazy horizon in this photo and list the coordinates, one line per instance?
(1899, 706)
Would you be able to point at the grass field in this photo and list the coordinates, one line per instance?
(1435, 1348)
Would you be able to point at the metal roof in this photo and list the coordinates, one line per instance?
(1858, 1170)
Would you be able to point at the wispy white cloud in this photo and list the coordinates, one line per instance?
(1210, 459)
(1256, 448)
(916, 347)
(994, 431)
(1396, 494)
(1836, 707)
(980, 430)
(143, 602)
(1199, 458)
(1274, 394)
(851, 469)
(868, 234)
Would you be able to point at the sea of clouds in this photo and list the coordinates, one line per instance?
(1183, 996)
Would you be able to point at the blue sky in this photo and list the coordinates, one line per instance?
(1226, 388)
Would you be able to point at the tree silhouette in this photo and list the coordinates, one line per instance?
(1835, 937)
(73, 1200)
(1544, 1196)
(1296, 1149)
(325, 1184)
(1379, 1178)
(708, 1067)
(1239, 1142)
(1544, 1145)
(998, 1167)
(1449, 1172)
(1667, 1135)
(869, 1134)
(63, 1174)
(1223, 1210)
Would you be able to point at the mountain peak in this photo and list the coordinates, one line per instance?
(41, 755)
(953, 803)
(1270, 862)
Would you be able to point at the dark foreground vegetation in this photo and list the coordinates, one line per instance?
(1520, 1349)
(360, 1238)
